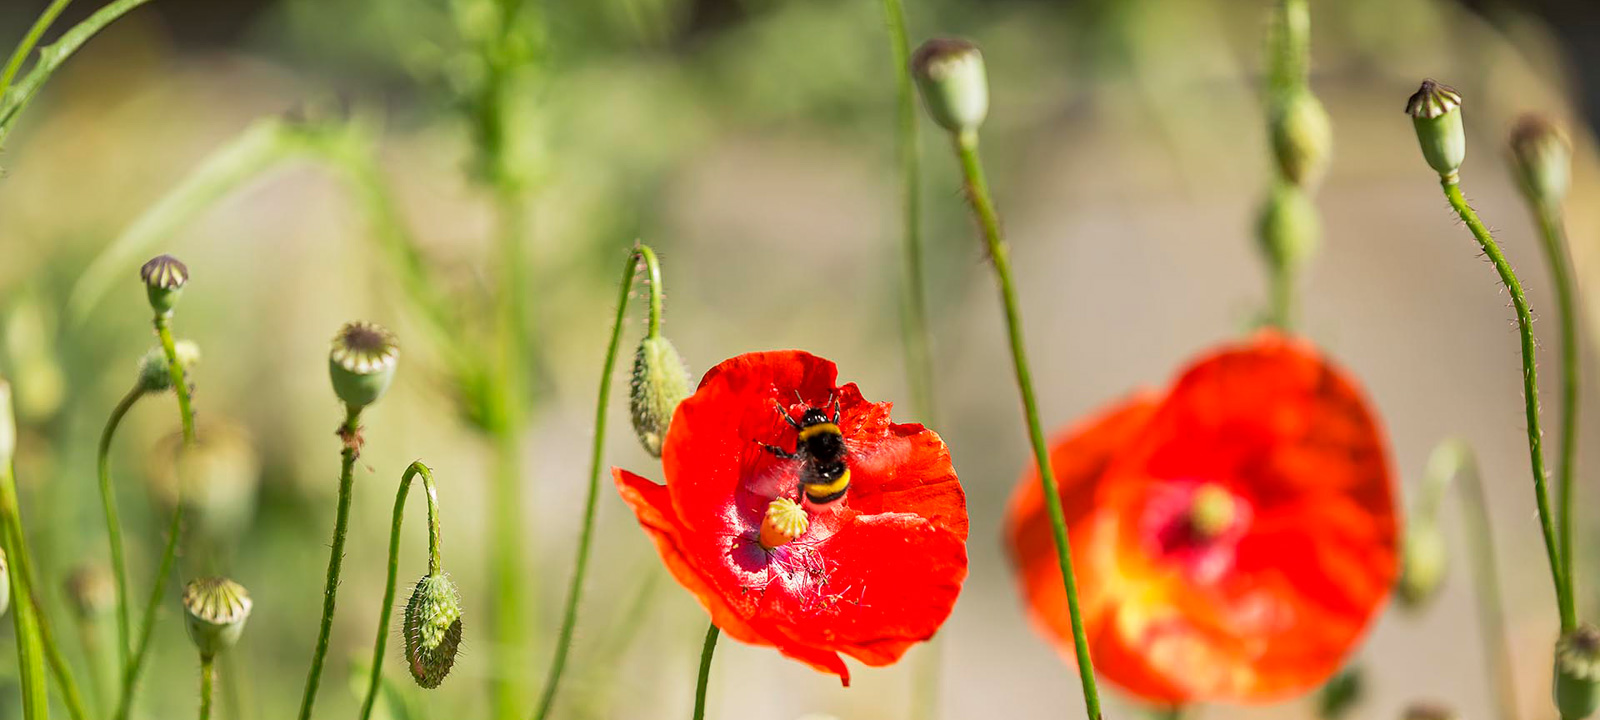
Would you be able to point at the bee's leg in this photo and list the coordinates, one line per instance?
(834, 400)
(785, 414)
(780, 452)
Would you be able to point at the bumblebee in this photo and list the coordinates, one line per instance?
(819, 446)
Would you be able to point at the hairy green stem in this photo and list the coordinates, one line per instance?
(25, 47)
(569, 616)
(208, 676)
(180, 386)
(1553, 235)
(385, 611)
(706, 650)
(108, 499)
(350, 432)
(1530, 393)
(1486, 580)
(966, 145)
(18, 95)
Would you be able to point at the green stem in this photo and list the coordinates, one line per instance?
(180, 386)
(1486, 578)
(350, 432)
(983, 206)
(1553, 234)
(108, 499)
(569, 616)
(59, 669)
(25, 47)
(1530, 393)
(1282, 283)
(141, 648)
(19, 95)
(25, 618)
(89, 641)
(706, 651)
(208, 673)
(385, 611)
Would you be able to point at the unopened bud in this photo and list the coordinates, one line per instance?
(1577, 675)
(216, 609)
(1435, 112)
(362, 363)
(1302, 138)
(1341, 694)
(1423, 561)
(660, 381)
(164, 277)
(432, 629)
(91, 590)
(1542, 158)
(1289, 230)
(951, 77)
(154, 374)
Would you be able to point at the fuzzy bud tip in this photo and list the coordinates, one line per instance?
(660, 381)
(954, 85)
(216, 609)
(362, 362)
(432, 629)
(154, 374)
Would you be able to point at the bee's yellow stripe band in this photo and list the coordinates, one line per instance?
(834, 488)
(819, 429)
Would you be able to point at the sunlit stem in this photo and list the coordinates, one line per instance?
(385, 611)
(350, 431)
(208, 675)
(108, 499)
(706, 650)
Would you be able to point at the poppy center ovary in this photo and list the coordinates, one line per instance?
(1213, 510)
(785, 520)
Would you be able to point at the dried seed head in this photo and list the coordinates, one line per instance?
(155, 376)
(1435, 112)
(164, 277)
(362, 362)
(785, 521)
(1542, 159)
(216, 609)
(91, 590)
(660, 381)
(1577, 676)
(432, 629)
(954, 86)
(1302, 138)
(1424, 558)
(1289, 230)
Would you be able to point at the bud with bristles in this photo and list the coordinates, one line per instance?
(216, 609)
(362, 363)
(1423, 561)
(1302, 138)
(164, 277)
(660, 381)
(432, 629)
(1428, 711)
(155, 375)
(1435, 112)
(1288, 229)
(954, 87)
(1542, 159)
(1577, 675)
(91, 590)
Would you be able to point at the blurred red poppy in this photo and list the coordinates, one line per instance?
(1231, 538)
(867, 575)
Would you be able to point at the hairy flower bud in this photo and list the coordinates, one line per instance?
(951, 77)
(362, 363)
(432, 629)
(660, 381)
(1435, 112)
(155, 375)
(1577, 675)
(91, 590)
(216, 609)
(1288, 228)
(1542, 159)
(164, 277)
(1423, 561)
(1302, 138)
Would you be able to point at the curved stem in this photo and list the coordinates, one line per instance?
(350, 432)
(16, 98)
(983, 207)
(706, 651)
(208, 673)
(108, 499)
(180, 386)
(25, 47)
(1530, 393)
(386, 610)
(1486, 579)
(569, 617)
(1554, 240)
(141, 648)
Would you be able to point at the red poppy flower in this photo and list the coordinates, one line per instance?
(1231, 538)
(867, 574)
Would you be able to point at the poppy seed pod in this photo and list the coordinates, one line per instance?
(1577, 676)
(1288, 229)
(1542, 158)
(1423, 561)
(164, 277)
(362, 363)
(660, 381)
(951, 77)
(1435, 112)
(1428, 711)
(432, 629)
(1302, 138)
(216, 609)
(155, 376)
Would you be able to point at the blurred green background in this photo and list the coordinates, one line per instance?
(751, 142)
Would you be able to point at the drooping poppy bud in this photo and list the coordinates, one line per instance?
(1542, 158)
(362, 363)
(1577, 676)
(91, 591)
(954, 86)
(432, 628)
(1424, 558)
(660, 381)
(1302, 138)
(155, 376)
(1435, 111)
(164, 277)
(216, 609)
(1288, 229)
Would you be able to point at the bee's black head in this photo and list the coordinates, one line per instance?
(815, 416)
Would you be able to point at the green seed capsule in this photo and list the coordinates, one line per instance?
(1435, 112)
(660, 381)
(1302, 138)
(164, 277)
(954, 86)
(1542, 159)
(155, 376)
(432, 629)
(216, 609)
(1577, 674)
(362, 363)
